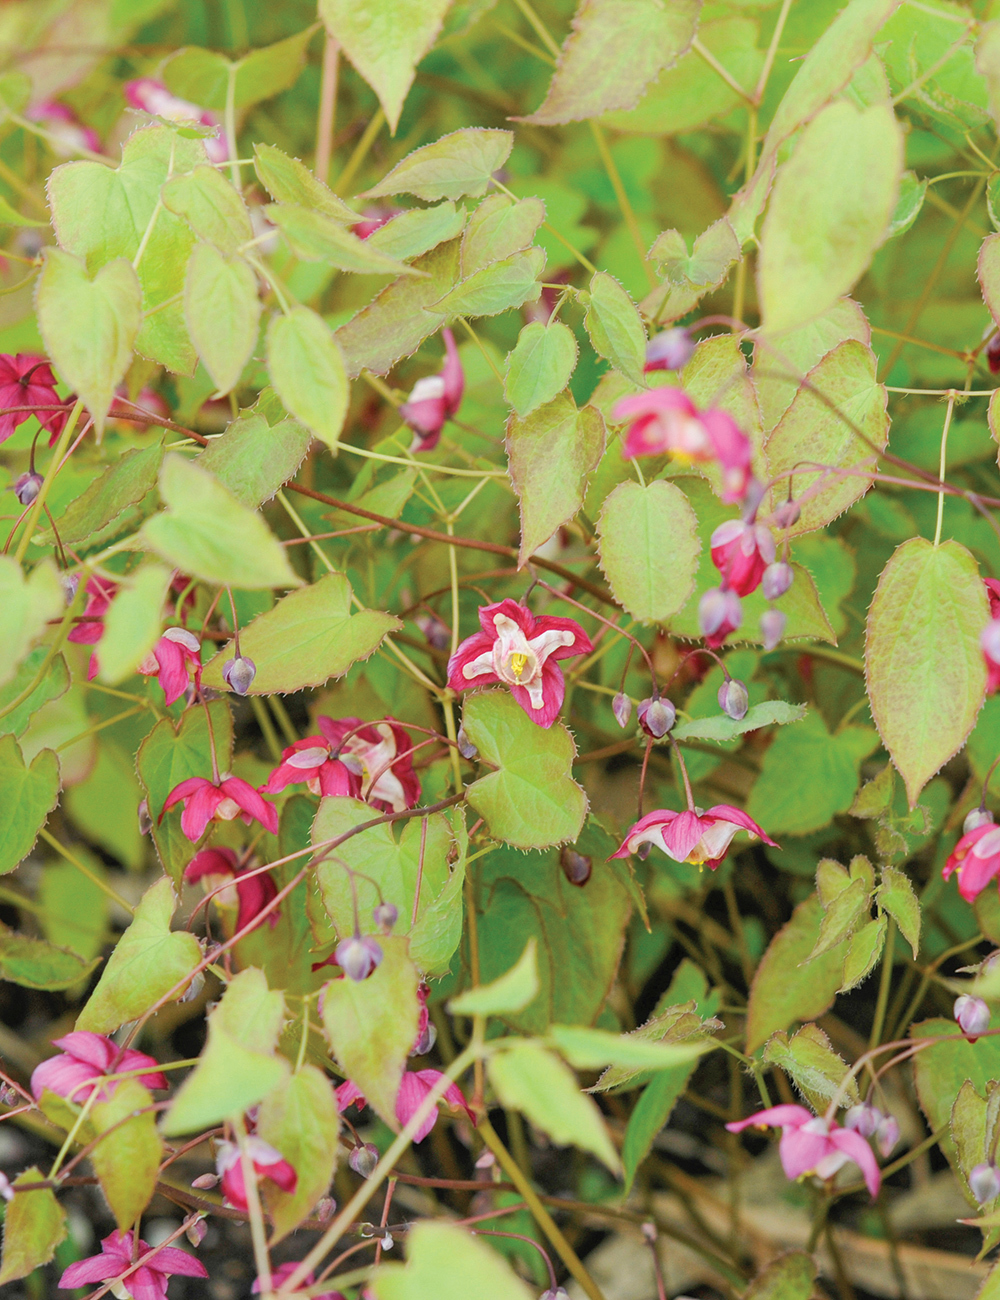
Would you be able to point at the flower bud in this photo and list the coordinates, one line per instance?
(656, 716)
(70, 583)
(978, 817)
(576, 867)
(358, 956)
(984, 1182)
(993, 354)
(465, 746)
(863, 1118)
(886, 1135)
(438, 633)
(324, 1208)
(205, 1182)
(145, 821)
(621, 707)
(238, 674)
(772, 627)
(719, 613)
(385, 915)
(734, 699)
(787, 514)
(555, 1293)
(989, 639)
(426, 1040)
(196, 1232)
(671, 350)
(363, 1159)
(27, 487)
(776, 580)
(972, 1014)
(6, 1191)
(8, 1095)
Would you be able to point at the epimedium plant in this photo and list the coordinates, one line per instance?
(463, 633)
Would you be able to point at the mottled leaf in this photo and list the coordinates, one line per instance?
(649, 548)
(458, 164)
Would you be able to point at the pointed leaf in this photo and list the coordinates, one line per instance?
(289, 181)
(34, 1225)
(127, 1156)
(812, 1065)
(128, 480)
(513, 991)
(510, 282)
(215, 212)
(649, 548)
(458, 164)
(896, 896)
(593, 1049)
(300, 1120)
(498, 227)
(28, 795)
(539, 366)
(35, 964)
(863, 952)
(615, 327)
(318, 238)
(306, 367)
(417, 231)
(222, 308)
(54, 683)
(722, 728)
(254, 459)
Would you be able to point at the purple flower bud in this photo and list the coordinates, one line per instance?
(438, 634)
(656, 716)
(196, 1232)
(734, 699)
(145, 821)
(989, 639)
(363, 1159)
(576, 866)
(238, 674)
(8, 1095)
(787, 514)
(621, 707)
(886, 1135)
(385, 915)
(465, 746)
(556, 1293)
(719, 613)
(978, 817)
(358, 956)
(27, 487)
(324, 1208)
(863, 1118)
(972, 1014)
(205, 1182)
(772, 627)
(70, 583)
(776, 580)
(984, 1182)
(426, 1040)
(671, 350)
(993, 354)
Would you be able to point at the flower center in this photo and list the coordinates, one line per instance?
(518, 662)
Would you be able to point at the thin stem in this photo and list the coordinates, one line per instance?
(684, 774)
(327, 107)
(266, 727)
(257, 1235)
(55, 465)
(934, 67)
(230, 126)
(717, 67)
(623, 200)
(885, 983)
(772, 50)
(540, 29)
(422, 466)
(942, 466)
(360, 151)
(102, 885)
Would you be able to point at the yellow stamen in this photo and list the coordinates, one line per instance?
(518, 663)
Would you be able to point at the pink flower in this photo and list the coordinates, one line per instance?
(702, 838)
(811, 1145)
(148, 1282)
(663, 420)
(519, 650)
(435, 399)
(719, 613)
(169, 659)
(372, 219)
(279, 1274)
(414, 1088)
(86, 1057)
(976, 858)
(671, 350)
(213, 867)
(312, 760)
(204, 801)
(382, 753)
(153, 97)
(60, 121)
(741, 552)
(27, 380)
(267, 1163)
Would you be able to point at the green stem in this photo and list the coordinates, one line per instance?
(878, 1024)
(86, 871)
(623, 200)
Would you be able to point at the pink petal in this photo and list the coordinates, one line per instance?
(172, 1261)
(452, 1094)
(801, 1151)
(653, 402)
(727, 813)
(336, 730)
(682, 835)
(95, 1049)
(64, 1076)
(853, 1145)
(509, 609)
(783, 1116)
(581, 644)
(644, 829)
(335, 778)
(184, 791)
(469, 650)
(147, 1283)
(347, 1093)
(210, 862)
(284, 775)
(132, 1060)
(281, 1174)
(412, 1091)
(254, 894)
(96, 1268)
(251, 802)
(199, 809)
(553, 693)
(452, 374)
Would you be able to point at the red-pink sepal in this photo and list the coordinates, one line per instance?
(85, 1058)
(27, 380)
(697, 837)
(326, 776)
(811, 1145)
(267, 1163)
(149, 1282)
(741, 552)
(90, 629)
(435, 398)
(732, 450)
(253, 893)
(663, 421)
(169, 659)
(204, 801)
(384, 752)
(415, 1086)
(976, 858)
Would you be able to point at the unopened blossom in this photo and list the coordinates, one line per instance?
(266, 1161)
(435, 399)
(148, 1282)
(670, 350)
(864, 1118)
(152, 96)
(206, 801)
(984, 1182)
(993, 354)
(84, 1060)
(358, 956)
(171, 660)
(520, 651)
(989, 641)
(972, 1016)
(976, 859)
(67, 134)
(363, 1159)
(27, 486)
(311, 761)
(656, 716)
(385, 916)
(426, 1032)
(414, 1088)
(811, 1144)
(887, 1135)
(734, 699)
(975, 818)
(776, 580)
(742, 552)
(576, 867)
(250, 892)
(283, 1271)
(621, 707)
(26, 380)
(382, 755)
(719, 613)
(238, 674)
(701, 836)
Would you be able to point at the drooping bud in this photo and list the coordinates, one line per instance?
(6, 1191)
(978, 817)
(385, 915)
(576, 867)
(557, 1293)
(363, 1159)
(27, 487)
(465, 746)
(426, 1040)
(324, 1208)
(887, 1135)
(719, 613)
(989, 639)
(973, 1015)
(145, 821)
(671, 350)
(196, 1231)
(8, 1095)
(205, 1182)
(656, 716)
(776, 580)
(621, 707)
(238, 674)
(358, 956)
(734, 699)
(787, 514)
(772, 627)
(70, 583)
(863, 1118)
(984, 1182)
(993, 354)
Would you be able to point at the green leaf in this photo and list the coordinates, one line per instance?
(513, 991)
(11, 217)
(924, 668)
(812, 1065)
(593, 1049)
(89, 325)
(34, 1225)
(170, 754)
(539, 366)
(127, 1156)
(789, 1277)
(445, 1262)
(54, 683)
(909, 204)
(969, 1117)
(438, 931)
(551, 454)
(650, 1114)
(863, 952)
(133, 622)
(28, 795)
(808, 776)
(649, 547)
(35, 964)
(28, 606)
(531, 801)
(417, 231)
(317, 238)
(202, 76)
(146, 963)
(510, 282)
(74, 910)
(830, 207)
(988, 273)
(127, 481)
(722, 728)
(842, 915)
(371, 1026)
(615, 327)
(299, 1118)
(941, 1069)
(103, 806)
(211, 207)
(307, 638)
(222, 308)
(895, 896)
(458, 164)
(254, 459)
(876, 795)
(289, 181)
(612, 54)
(785, 989)
(690, 276)
(238, 1066)
(306, 367)
(529, 1078)
(207, 533)
(499, 227)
